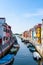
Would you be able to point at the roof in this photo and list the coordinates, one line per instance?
(2, 18)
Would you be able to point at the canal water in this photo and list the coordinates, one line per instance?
(24, 56)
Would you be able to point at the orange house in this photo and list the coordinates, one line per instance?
(25, 34)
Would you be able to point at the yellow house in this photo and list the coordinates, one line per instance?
(38, 33)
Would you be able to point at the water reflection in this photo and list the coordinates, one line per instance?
(23, 56)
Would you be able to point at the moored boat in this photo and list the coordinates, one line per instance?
(16, 45)
(12, 50)
(15, 40)
(32, 49)
(36, 56)
(22, 40)
(7, 59)
(29, 45)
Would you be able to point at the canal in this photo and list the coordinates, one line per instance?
(24, 56)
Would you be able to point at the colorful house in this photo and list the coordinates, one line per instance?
(30, 33)
(6, 38)
(35, 33)
(38, 33)
(25, 34)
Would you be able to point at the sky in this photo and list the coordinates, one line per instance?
(21, 15)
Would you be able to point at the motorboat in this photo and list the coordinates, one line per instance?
(29, 45)
(16, 45)
(32, 49)
(12, 50)
(36, 56)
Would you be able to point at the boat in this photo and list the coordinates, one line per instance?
(16, 45)
(36, 56)
(22, 40)
(6, 60)
(14, 37)
(32, 49)
(26, 41)
(14, 51)
(29, 45)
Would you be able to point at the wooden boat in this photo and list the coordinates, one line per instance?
(7, 59)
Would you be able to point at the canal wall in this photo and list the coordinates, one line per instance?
(39, 47)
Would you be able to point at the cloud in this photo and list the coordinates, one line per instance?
(38, 12)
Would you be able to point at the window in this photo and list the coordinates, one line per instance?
(6, 38)
(4, 29)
